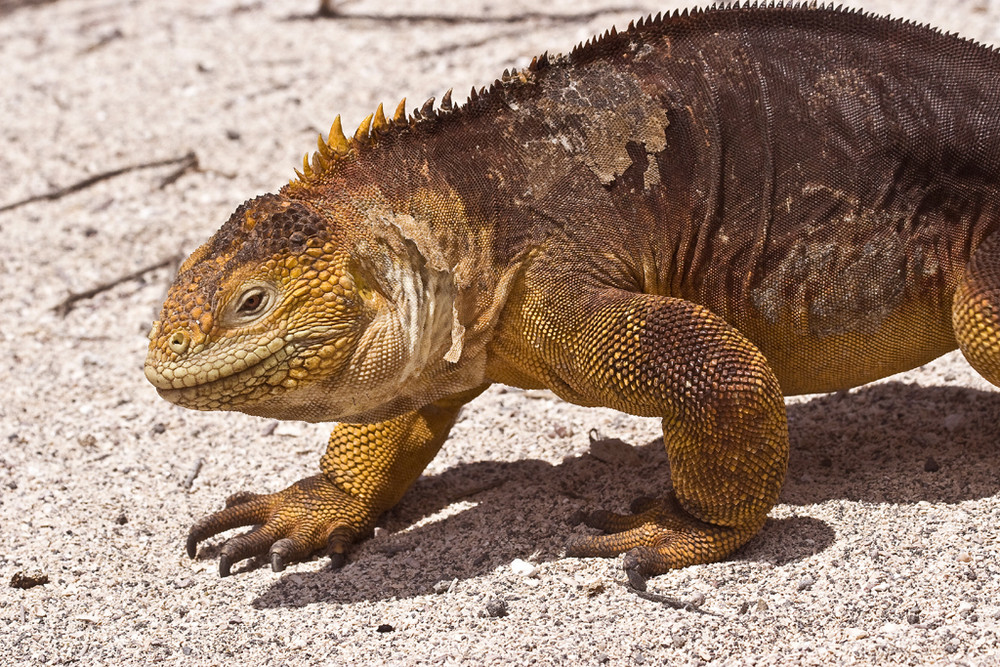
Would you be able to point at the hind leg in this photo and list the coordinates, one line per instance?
(723, 415)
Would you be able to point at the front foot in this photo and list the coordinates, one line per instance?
(659, 535)
(310, 516)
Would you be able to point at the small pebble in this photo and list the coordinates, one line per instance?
(891, 629)
(26, 580)
(805, 583)
(445, 586)
(523, 568)
(87, 618)
(288, 429)
(496, 607)
(560, 431)
(855, 634)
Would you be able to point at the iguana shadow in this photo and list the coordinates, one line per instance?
(883, 443)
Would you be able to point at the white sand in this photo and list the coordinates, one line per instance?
(871, 557)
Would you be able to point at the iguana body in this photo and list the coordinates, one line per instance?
(684, 220)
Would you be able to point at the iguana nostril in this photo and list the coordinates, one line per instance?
(179, 342)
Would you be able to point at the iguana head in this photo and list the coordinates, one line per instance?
(267, 317)
(327, 301)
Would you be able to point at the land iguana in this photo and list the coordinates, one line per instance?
(686, 220)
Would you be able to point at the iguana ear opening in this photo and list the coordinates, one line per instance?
(364, 283)
(361, 284)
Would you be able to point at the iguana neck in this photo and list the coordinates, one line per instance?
(421, 249)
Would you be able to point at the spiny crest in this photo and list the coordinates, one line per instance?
(337, 146)
(596, 46)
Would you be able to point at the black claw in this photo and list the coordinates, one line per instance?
(337, 561)
(576, 518)
(599, 519)
(277, 562)
(631, 566)
(280, 552)
(192, 546)
(239, 498)
(225, 563)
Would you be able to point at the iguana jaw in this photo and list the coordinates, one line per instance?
(353, 376)
(244, 362)
(229, 377)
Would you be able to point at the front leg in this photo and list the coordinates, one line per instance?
(724, 423)
(366, 470)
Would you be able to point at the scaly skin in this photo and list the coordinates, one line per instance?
(685, 220)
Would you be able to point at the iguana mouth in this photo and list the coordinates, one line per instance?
(230, 391)
(210, 386)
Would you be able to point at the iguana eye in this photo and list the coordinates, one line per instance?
(255, 301)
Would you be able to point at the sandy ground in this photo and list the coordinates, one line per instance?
(883, 548)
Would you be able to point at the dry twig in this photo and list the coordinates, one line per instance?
(66, 305)
(328, 10)
(188, 161)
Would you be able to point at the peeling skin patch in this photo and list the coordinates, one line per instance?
(429, 227)
(423, 285)
(598, 125)
(651, 177)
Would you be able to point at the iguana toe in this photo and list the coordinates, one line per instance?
(661, 537)
(310, 516)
